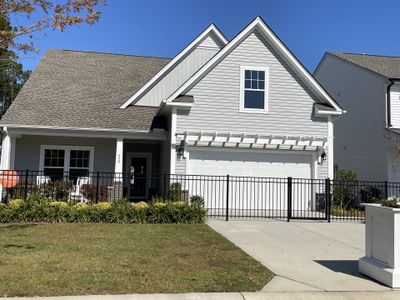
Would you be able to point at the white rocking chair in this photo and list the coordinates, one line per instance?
(41, 179)
(76, 194)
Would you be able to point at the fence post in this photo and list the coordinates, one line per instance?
(26, 184)
(289, 198)
(165, 186)
(97, 186)
(227, 199)
(386, 190)
(328, 199)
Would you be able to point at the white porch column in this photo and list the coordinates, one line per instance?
(8, 152)
(330, 148)
(119, 149)
(173, 141)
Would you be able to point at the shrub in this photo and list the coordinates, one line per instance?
(103, 205)
(37, 208)
(391, 202)
(175, 191)
(58, 204)
(89, 192)
(197, 200)
(141, 204)
(80, 205)
(59, 189)
(343, 188)
(179, 203)
(16, 203)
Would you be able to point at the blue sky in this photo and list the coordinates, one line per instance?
(164, 27)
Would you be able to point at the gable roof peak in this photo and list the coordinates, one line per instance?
(281, 48)
(211, 29)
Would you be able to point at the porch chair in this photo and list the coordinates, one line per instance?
(76, 194)
(41, 179)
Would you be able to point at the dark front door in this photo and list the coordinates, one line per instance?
(138, 177)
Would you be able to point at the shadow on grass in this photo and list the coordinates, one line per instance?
(8, 246)
(19, 226)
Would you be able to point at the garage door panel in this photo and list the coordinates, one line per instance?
(247, 192)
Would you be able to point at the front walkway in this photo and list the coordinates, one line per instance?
(304, 256)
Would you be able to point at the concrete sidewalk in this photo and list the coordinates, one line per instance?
(305, 256)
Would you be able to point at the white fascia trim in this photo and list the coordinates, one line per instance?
(84, 132)
(76, 128)
(264, 29)
(178, 104)
(325, 113)
(212, 28)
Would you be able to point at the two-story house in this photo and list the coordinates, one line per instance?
(244, 107)
(367, 137)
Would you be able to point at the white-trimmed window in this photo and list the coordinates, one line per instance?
(57, 161)
(254, 89)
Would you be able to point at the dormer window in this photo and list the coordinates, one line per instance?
(254, 89)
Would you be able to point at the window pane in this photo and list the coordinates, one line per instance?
(79, 159)
(254, 75)
(247, 74)
(75, 173)
(254, 99)
(254, 84)
(247, 84)
(261, 75)
(54, 174)
(261, 85)
(54, 158)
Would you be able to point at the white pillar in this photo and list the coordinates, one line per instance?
(330, 148)
(119, 152)
(7, 155)
(173, 141)
(8, 152)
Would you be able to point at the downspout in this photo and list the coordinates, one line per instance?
(388, 116)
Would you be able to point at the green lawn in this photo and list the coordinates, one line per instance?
(76, 259)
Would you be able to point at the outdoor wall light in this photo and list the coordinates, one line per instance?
(322, 158)
(180, 152)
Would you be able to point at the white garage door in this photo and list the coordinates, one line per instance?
(249, 189)
(254, 164)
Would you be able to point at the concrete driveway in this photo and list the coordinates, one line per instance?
(304, 256)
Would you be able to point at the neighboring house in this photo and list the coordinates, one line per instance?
(367, 137)
(241, 107)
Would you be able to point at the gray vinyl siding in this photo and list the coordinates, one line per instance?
(322, 169)
(27, 152)
(216, 97)
(180, 166)
(182, 72)
(395, 105)
(359, 141)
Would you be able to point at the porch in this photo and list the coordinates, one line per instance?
(116, 166)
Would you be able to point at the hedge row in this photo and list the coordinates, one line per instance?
(39, 209)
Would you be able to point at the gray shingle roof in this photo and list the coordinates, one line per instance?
(85, 89)
(388, 66)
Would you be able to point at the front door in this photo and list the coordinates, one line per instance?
(138, 185)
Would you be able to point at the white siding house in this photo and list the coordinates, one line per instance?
(366, 138)
(244, 107)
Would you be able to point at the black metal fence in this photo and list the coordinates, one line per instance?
(224, 196)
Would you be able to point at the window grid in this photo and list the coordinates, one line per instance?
(254, 89)
(54, 158)
(254, 80)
